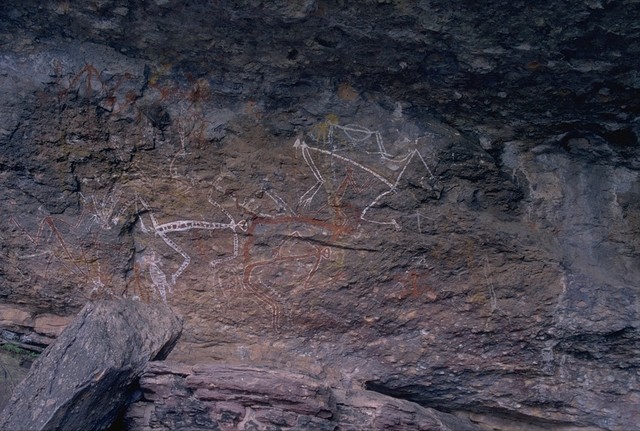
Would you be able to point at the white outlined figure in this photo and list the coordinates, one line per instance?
(357, 135)
(252, 206)
(163, 229)
(104, 210)
(391, 185)
(158, 277)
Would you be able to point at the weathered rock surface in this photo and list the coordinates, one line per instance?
(14, 366)
(21, 327)
(438, 201)
(225, 397)
(83, 380)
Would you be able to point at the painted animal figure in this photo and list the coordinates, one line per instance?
(389, 186)
(164, 229)
(292, 266)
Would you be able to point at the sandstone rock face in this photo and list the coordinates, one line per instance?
(84, 379)
(228, 397)
(435, 201)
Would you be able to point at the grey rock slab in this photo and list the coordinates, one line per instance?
(225, 396)
(85, 377)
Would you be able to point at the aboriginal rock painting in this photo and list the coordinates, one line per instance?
(71, 252)
(369, 146)
(280, 249)
(382, 185)
(341, 183)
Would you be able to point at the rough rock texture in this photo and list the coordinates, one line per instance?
(439, 201)
(21, 327)
(14, 366)
(23, 334)
(224, 397)
(84, 379)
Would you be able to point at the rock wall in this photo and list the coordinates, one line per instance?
(452, 220)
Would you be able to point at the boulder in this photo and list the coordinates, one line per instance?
(235, 397)
(83, 380)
